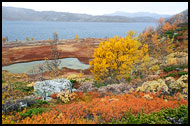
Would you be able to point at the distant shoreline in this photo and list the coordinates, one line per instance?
(84, 21)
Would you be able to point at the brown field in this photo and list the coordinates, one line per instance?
(15, 52)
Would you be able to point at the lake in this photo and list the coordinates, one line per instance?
(72, 63)
(68, 30)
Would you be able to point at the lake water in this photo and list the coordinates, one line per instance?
(68, 30)
(72, 63)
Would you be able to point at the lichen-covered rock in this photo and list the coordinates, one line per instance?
(153, 86)
(18, 104)
(46, 88)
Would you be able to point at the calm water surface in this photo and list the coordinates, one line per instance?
(68, 30)
(72, 63)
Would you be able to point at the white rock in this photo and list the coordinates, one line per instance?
(48, 87)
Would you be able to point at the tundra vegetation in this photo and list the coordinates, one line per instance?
(135, 80)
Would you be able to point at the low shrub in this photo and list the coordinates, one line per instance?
(171, 75)
(169, 33)
(54, 95)
(177, 115)
(40, 102)
(66, 96)
(181, 29)
(182, 73)
(179, 74)
(31, 112)
(98, 85)
(72, 81)
(108, 107)
(171, 68)
(22, 87)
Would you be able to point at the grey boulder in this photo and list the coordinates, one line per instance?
(46, 88)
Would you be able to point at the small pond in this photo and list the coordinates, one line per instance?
(72, 63)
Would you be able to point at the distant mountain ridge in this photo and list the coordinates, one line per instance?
(183, 16)
(22, 14)
(139, 14)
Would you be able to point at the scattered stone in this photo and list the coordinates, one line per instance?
(73, 90)
(178, 69)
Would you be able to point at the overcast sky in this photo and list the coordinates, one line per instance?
(100, 8)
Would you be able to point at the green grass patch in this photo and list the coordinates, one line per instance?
(171, 68)
(171, 75)
(182, 73)
(40, 102)
(72, 81)
(181, 29)
(31, 112)
(169, 33)
(22, 87)
(179, 74)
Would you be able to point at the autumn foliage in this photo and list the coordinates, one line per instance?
(115, 58)
(100, 110)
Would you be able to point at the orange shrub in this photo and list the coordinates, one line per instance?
(109, 107)
(54, 95)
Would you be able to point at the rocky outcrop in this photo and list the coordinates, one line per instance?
(46, 88)
(18, 104)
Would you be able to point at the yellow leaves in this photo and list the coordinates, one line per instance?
(131, 33)
(27, 38)
(66, 96)
(115, 57)
(172, 61)
(155, 68)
